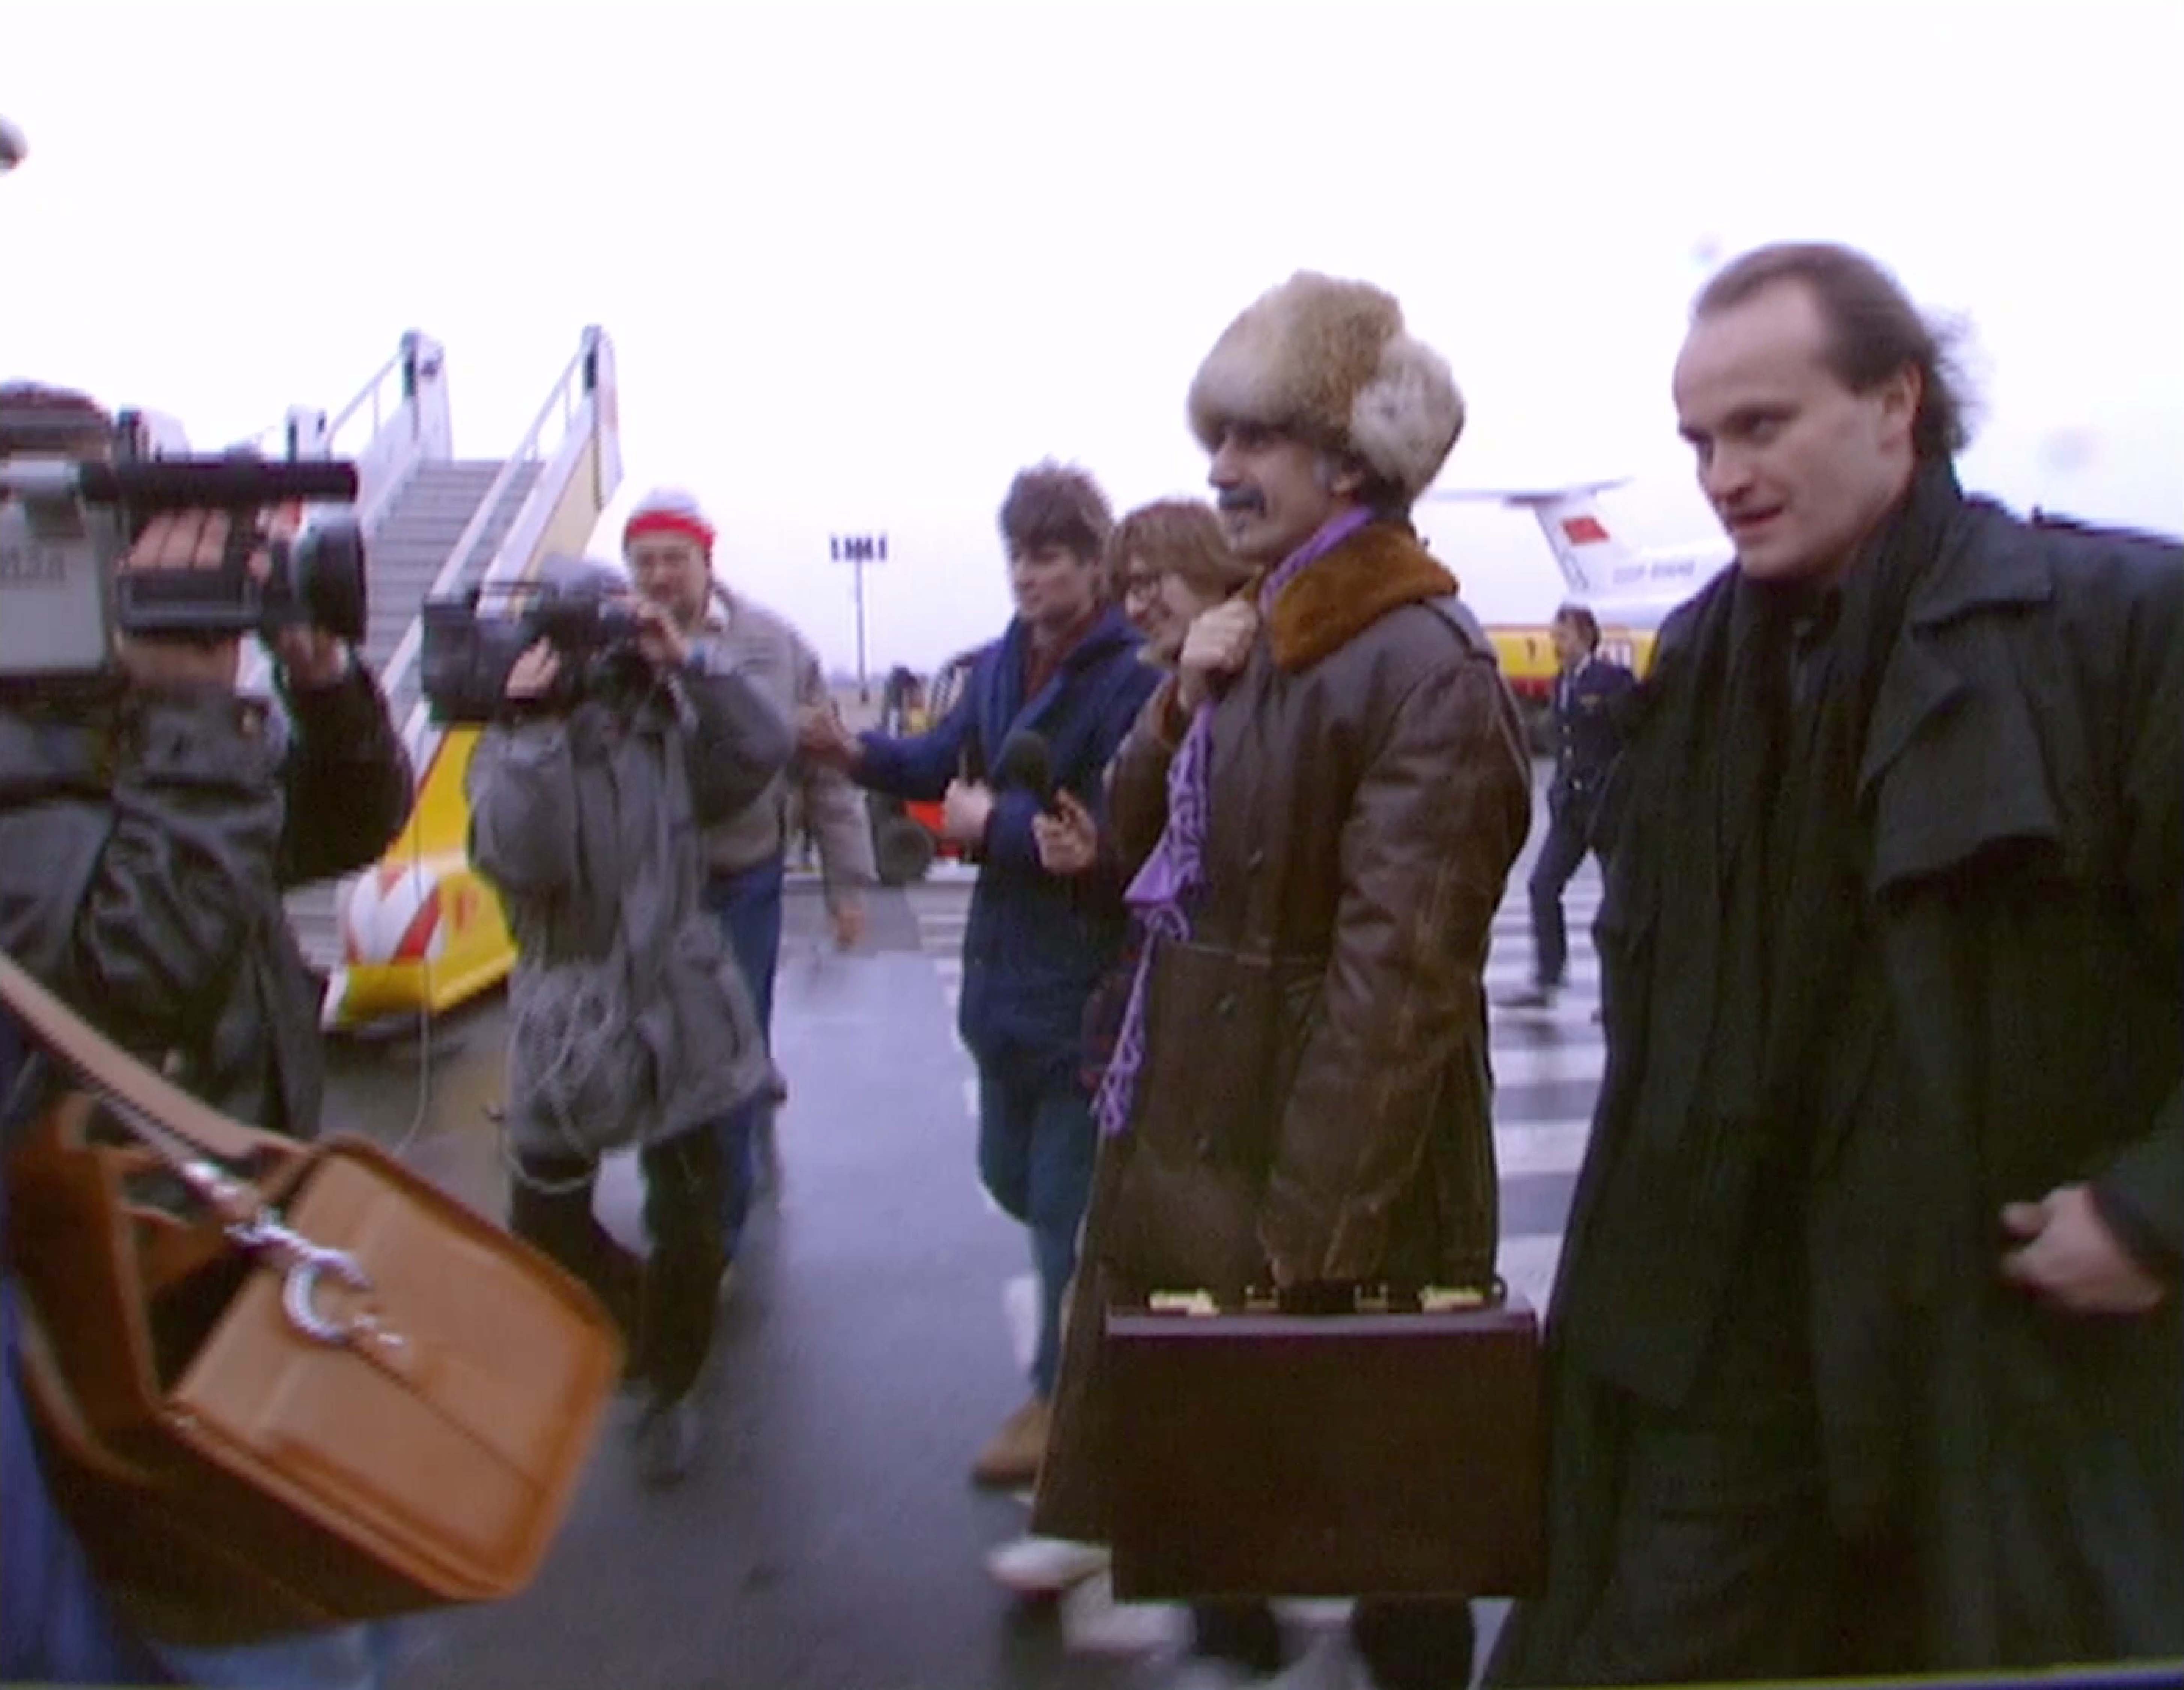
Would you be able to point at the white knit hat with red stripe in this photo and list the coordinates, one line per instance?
(669, 511)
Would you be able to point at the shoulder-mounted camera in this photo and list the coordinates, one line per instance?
(472, 642)
(66, 527)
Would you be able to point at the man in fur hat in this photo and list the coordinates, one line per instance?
(1319, 810)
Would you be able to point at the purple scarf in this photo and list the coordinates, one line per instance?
(1168, 886)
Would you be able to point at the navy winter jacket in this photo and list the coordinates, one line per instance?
(1035, 945)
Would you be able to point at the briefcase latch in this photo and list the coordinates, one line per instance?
(1446, 1299)
(1182, 1303)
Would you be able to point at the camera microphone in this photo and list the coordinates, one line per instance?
(207, 484)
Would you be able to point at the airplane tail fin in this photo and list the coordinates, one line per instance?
(1593, 562)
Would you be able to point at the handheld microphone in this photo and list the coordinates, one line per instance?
(1027, 764)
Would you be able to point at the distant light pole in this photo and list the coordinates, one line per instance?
(857, 550)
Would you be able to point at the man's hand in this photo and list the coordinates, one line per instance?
(534, 672)
(658, 637)
(964, 812)
(1068, 840)
(847, 914)
(194, 540)
(311, 656)
(1217, 646)
(2071, 1258)
(822, 738)
(197, 539)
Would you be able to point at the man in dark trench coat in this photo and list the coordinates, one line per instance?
(1865, 1352)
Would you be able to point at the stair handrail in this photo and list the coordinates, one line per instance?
(256, 443)
(303, 433)
(414, 429)
(570, 389)
(367, 394)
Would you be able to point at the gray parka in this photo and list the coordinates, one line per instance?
(630, 1023)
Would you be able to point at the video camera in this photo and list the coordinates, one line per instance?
(468, 651)
(65, 526)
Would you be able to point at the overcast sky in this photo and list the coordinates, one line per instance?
(862, 263)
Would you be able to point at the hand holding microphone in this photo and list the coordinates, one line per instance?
(1064, 831)
(1025, 764)
(1068, 838)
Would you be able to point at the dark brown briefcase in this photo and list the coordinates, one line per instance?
(1395, 1448)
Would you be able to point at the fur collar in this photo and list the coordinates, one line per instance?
(1378, 569)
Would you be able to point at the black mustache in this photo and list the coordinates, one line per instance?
(1240, 498)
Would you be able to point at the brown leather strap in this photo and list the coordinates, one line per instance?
(62, 1415)
(113, 1071)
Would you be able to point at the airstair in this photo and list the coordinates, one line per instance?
(434, 525)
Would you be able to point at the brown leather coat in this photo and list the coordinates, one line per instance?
(1315, 1098)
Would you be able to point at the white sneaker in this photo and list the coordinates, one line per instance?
(1332, 1662)
(1037, 1567)
(1177, 1670)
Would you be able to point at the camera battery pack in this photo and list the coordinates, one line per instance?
(56, 607)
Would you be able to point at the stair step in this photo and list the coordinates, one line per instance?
(411, 543)
(406, 550)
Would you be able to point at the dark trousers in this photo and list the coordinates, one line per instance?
(748, 905)
(1723, 1559)
(663, 1302)
(1569, 827)
(1408, 1645)
(1036, 1139)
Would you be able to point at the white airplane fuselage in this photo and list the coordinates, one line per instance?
(1618, 583)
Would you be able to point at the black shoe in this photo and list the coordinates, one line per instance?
(1534, 997)
(666, 1440)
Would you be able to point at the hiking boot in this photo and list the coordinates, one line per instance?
(1012, 1456)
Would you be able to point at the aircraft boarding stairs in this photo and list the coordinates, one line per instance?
(435, 525)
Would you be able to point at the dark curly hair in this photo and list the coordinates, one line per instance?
(1055, 505)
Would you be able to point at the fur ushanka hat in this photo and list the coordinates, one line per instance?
(1329, 361)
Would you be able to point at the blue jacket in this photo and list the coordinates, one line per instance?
(1035, 946)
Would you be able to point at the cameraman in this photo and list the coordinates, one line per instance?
(630, 1023)
(149, 821)
(149, 826)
